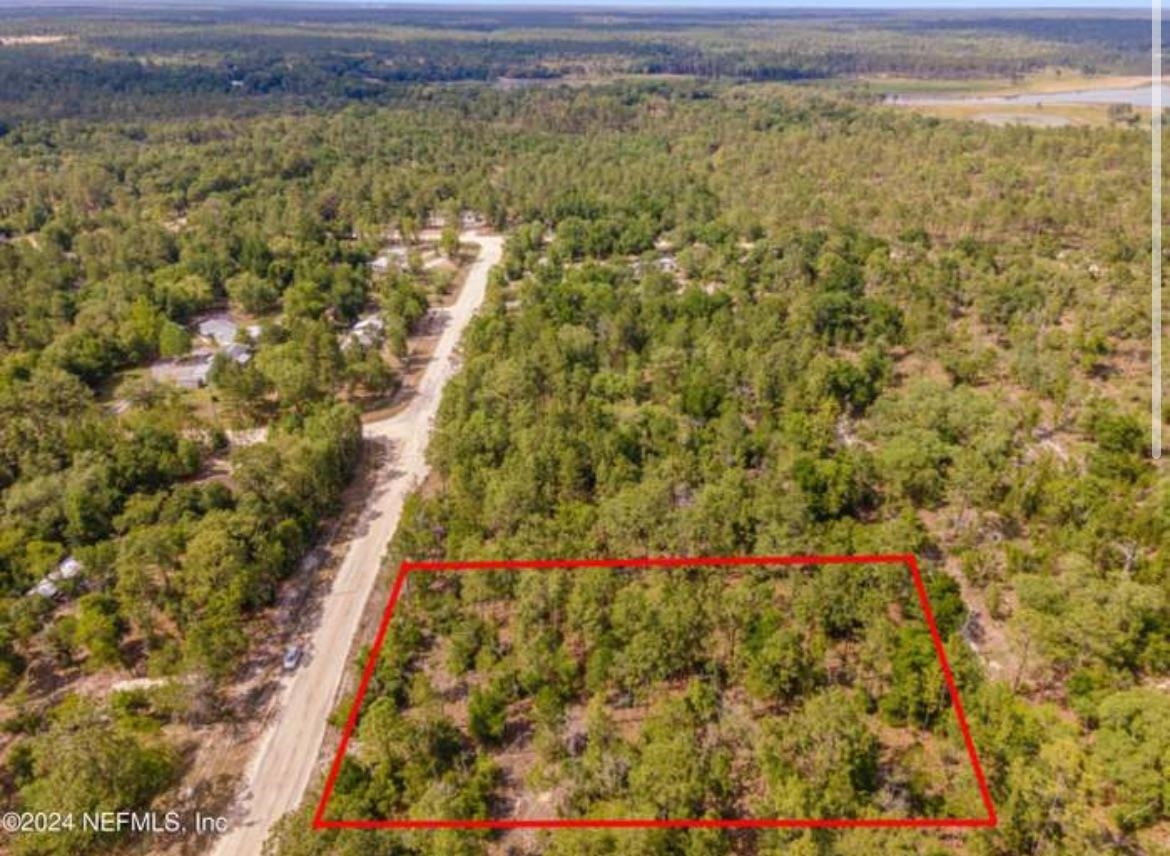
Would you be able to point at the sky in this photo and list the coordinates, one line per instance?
(955, 5)
(780, 4)
(1106, 6)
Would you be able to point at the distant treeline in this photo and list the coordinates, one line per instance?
(350, 54)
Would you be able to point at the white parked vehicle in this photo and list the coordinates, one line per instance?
(292, 657)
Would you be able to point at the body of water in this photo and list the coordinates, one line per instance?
(1140, 96)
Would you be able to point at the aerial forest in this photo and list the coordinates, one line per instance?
(745, 308)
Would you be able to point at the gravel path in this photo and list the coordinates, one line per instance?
(287, 753)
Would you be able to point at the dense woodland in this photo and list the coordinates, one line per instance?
(732, 317)
(680, 693)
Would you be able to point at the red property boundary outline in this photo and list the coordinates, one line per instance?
(906, 559)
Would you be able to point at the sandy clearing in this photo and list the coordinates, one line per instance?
(286, 754)
(13, 41)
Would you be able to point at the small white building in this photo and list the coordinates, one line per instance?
(44, 588)
(219, 328)
(187, 372)
(368, 331)
(389, 259)
(218, 333)
(238, 353)
(69, 569)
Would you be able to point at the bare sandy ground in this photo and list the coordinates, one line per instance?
(286, 754)
(31, 40)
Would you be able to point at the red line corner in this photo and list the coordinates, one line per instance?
(906, 559)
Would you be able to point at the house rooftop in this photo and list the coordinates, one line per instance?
(67, 570)
(189, 372)
(45, 588)
(241, 354)
(393, 255)
(367, 331)
(219, 328)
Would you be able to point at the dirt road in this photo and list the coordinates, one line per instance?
(280, 770)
